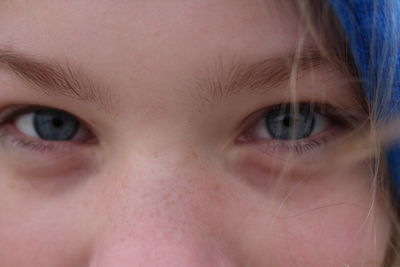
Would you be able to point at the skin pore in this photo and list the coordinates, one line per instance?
(173, 167)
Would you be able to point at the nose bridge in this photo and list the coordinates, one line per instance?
(147, 188)
(154, 217)
(150, 185)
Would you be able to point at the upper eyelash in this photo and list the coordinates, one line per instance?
(11, 113)
(337, 115)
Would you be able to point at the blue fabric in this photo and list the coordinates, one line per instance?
(372, 28)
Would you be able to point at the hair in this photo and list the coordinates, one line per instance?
(320, 24)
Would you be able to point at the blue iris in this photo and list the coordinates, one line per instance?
(55, 125)
(289, 122)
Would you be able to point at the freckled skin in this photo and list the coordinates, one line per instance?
(162, 187)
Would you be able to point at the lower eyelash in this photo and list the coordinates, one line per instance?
(297, 147)
(310, 146)
(29, 144)
(9, 139)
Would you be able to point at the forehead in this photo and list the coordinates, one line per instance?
(140, 28)
(150, 44)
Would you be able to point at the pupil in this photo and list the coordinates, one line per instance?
(55, 125)
(287, 123)
(57, 122)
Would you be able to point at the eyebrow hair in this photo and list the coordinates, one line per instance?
(53, 78)
(260, 76)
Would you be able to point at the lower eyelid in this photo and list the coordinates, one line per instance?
(37, 160)
(308, 148)
(15, 142)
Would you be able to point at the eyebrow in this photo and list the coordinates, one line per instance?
(259, 77)
(53, 78)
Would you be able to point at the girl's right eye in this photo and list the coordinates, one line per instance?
(50, 125)
(44, 141)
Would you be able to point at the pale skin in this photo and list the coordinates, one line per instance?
(169, 179)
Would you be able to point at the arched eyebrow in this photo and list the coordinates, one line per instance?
(260, 76)
(52, 78)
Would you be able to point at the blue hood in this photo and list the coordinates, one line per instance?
(372, 28)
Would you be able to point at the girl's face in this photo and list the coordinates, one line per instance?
(181, 154)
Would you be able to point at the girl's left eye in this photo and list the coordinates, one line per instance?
(291, 122)
(51, 125)
(298, 127)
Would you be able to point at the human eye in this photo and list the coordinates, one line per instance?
(298, 127)
(42, 129)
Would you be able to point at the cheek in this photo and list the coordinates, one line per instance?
(339, 233)
(32, 243)
(319, 217)
(332, 222)
(39, 226)
(326, 220)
